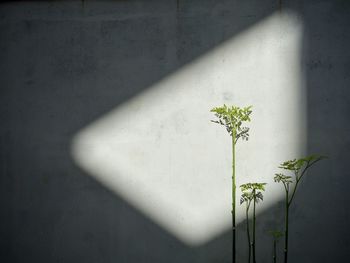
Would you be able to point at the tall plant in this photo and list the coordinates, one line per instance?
(251, 192)
(232, 118)
(298, 167)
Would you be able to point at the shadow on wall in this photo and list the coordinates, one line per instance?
(63, 66)
(326, 65)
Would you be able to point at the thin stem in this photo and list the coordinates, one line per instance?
(254, 219)
(298, 180)
(285, 186)
(233, 199)
(286, 229)
(274, 251)
(294, 190)
(308, 165)
(248, 231)
(248, 234)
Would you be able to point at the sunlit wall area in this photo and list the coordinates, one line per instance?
(160, 152)
(107, 152)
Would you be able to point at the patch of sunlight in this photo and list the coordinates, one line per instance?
(160, 152)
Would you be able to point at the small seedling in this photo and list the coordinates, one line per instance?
(232, 118)
(298, 167)
(276, 236)
(251, 192)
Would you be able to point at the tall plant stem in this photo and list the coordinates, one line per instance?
(286, 229)
(233, 198)
(254, 219)
(299, 167)
(248, 233)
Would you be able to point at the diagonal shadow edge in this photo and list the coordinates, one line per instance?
(91, 139)
(18, 234)
(7, 183)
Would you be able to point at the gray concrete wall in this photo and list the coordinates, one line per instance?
(65, 64)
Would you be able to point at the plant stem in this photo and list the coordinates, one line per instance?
(233, 199)
(274, 251)
(286, 230)
(248, 232)
(254, 219)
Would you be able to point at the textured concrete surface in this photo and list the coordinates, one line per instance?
(65, 64)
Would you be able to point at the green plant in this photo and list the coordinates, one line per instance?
(251, 192)
(276, 236)
(298, 167)
(232, 118)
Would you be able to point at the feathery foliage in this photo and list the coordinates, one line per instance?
(251, 192)
(298, 168)
(232, 118)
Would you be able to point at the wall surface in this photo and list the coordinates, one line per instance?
(67, 68)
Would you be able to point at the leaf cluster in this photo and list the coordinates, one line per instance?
(298, 167)
(252, 191)
(285, 179)
(253, 186)
(232, 118)
(276, 234)
(297, 164)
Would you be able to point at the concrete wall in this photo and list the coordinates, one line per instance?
(66, 64)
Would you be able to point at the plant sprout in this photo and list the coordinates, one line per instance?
(232, 118)
(276, 236)
(251, 192)
(298, 167)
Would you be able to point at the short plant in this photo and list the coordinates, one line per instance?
(251, 192)
(298, 167)
(232, 118)
(276, 236)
